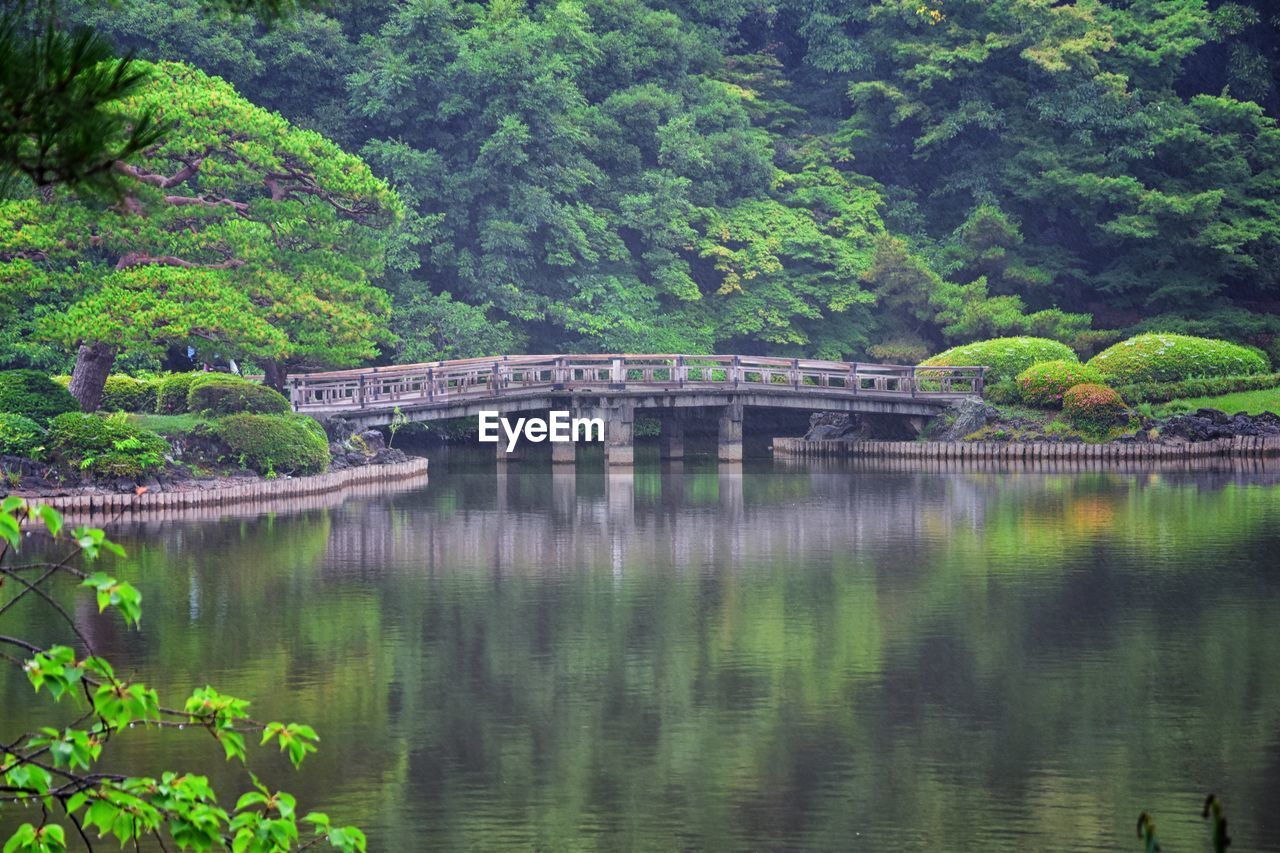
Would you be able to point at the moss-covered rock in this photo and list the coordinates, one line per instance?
(1043, 383)
(1004, 358)
(275, 444)
(32, 393)
(1170, 358)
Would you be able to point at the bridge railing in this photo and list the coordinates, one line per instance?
(419, 385)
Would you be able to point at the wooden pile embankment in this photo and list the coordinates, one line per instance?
(255, 492)
(1248, 446)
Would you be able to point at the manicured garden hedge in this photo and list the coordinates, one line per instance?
(19, 435)
(1163, 392)
(1171, 358)
(223, 394)
(1092, 407)
(275, 444)
(105, 447)
(127, 394)
(171, 392)
(32, 393)
(1043, 384)
(1005, 358)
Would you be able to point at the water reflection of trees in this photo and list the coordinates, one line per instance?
(811, 657)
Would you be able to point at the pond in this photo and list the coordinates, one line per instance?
(758, 657)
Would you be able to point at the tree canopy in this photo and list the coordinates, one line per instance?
(844, 178)
(236, 232)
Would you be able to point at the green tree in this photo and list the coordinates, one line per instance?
(236, 233)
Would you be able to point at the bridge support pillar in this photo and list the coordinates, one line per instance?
(729, 446)
(563, 452)
(671, 438)
(619, 433)
(503, 455)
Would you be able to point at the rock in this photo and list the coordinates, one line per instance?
(965, 417)
(824, 426)
(337, 429)
(373, 440)
(1216, 416)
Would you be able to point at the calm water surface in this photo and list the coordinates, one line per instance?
(820, 657)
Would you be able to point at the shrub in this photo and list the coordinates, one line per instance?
(19, 435)
(1043, 384)
(105, 447)
(127, 394)
(223, 394)
(1093, 407)
(172, 390)
(1168, 358)
(32, 393)
(1163, 392)
(899, 351)
(275, 444)
(1004, 358)
(1003, 392)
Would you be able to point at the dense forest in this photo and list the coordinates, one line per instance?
(840, 178)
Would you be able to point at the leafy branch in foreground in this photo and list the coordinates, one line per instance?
(1212, 812)
(58, 766)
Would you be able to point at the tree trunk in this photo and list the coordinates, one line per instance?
(93, 366)
(274, 375)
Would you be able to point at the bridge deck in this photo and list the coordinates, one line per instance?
(445, 389)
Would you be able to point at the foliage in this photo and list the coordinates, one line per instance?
(32, 393)
(276, 444)
(1043, 383)
(60, 765)
(1004, 358)
(128, 394)
(168, 425)
(1093, 407)
(20, 435)
(104, 446)
(60, 93)
(1253, 402)
(237, 234)
(1170, 358)
(172, 392)
(1160, 392)
(224, 394)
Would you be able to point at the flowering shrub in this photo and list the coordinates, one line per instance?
(1044, 383)
(1004, 358)
(1093, 407)
(1170, 358)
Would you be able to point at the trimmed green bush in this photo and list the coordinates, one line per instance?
(172, 390)
(1093, 407)
(1163, 392)
(1172, 358)
(32, 393)
(19, 435)
(127, 394)
(1043, 384)
(105, 447)
(1004, 358)
(223, 394)
(275, 444)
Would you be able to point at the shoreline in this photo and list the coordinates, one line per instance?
(132, 506)
(1240, 446)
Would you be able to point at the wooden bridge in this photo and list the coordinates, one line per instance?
(613, 387)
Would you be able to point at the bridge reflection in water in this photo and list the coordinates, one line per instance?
(539, 519)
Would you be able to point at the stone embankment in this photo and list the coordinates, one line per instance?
(143, 503)
(1028, 451)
